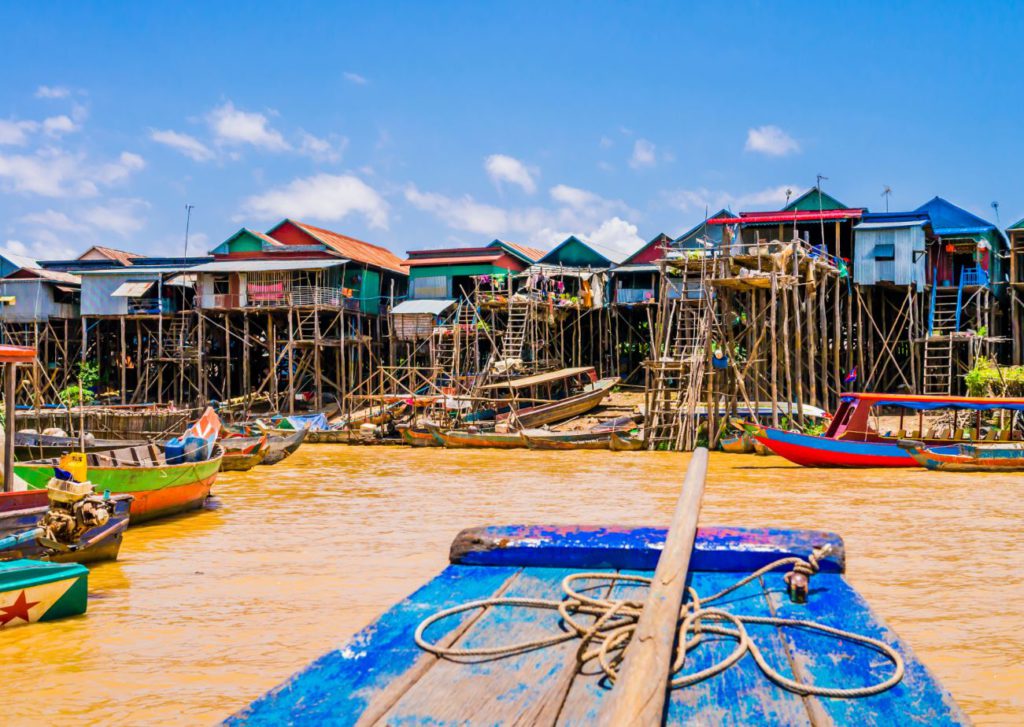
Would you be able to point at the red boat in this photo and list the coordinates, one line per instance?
(852, 441)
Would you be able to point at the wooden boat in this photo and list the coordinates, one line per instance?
(281, 443)
(473, 439)
(736, 444)
(1005, 457)
(851, 440)
(29, 446)
(417, 437)
(158, 488)
(760, 449)
(31, 591)
(546, 440)
(532, 401)
(243, 459)
(327, 436)
(625, 443)
(379, 677)
(22, 513)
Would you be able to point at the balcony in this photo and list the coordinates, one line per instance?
(976, 276)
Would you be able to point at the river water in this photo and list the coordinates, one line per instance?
(204, 612)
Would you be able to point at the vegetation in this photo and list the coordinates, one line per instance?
(989, 379)
(82, 393)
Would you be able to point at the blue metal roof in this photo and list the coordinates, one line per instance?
(948, 219)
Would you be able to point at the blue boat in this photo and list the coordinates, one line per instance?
(382, 676)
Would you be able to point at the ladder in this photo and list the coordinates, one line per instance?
(943, 321)
(514, 337)
(452, 344)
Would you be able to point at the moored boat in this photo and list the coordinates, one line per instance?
(29, 445)
(736, 443)
(982, 457)
(244, 458)
(31, 591)
(281, 443)
(532, 401)
(475, 439)
(852, 441)
(507, 630)
(546, 440)
(417, 437)
(620, 442)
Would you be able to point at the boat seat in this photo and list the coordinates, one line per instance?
(958, 434)
(901, 434)
(916, 434)
(991, 435)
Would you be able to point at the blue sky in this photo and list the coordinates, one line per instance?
(419, 125)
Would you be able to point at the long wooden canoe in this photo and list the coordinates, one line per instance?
(737, 444)
(567, 408)
(625, 443)
(28, 446)
(546, 440)
(244, 458)
(995, 457)
(159, 489)
(466, 439)
(417, 437)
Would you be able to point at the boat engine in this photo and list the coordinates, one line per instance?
(74, 509)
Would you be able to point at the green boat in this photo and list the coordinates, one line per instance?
(32, 590)
(159, 488)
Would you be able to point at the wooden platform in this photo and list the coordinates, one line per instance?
(381, 677)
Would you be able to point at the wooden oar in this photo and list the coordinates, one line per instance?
(638, 697)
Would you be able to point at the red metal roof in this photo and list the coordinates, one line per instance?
(784, 217)
(349, 247)
(531, 252)
(454, 260)
(17, 354)
(120, 256)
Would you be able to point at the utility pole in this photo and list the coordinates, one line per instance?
(886, 193)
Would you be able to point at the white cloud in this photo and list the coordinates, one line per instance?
(502, 168)
(702, 198)
(463, 213)
(320, 150)
(15, 246)
(232, 126)
(355, 78)
(52, 92)
(573, 196)
(643, 154)
(53, 220)
(771, 140)
(15, 133)
(123, 217)
(183, 143)
(616, 238)
(58, 125)
(321, 197)
(56, 173)
(605, 142)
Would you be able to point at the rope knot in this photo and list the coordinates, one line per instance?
(798, 580)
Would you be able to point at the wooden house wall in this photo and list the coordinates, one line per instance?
(902, 270)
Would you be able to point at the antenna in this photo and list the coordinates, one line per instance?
(821, 178)
(887, 192)
(188, 219)
(995, 206)
(789, 193)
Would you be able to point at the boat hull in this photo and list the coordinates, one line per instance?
(814, 451)
(624, 443)
(22, 511)
(559, 441)
(158, 491)
(33, 591)
(567, 408)
(242, 462)
(417, 438)
(737, 445)
(380, 677)
(965, 459)
(459, 439)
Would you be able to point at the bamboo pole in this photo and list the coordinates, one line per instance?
(10, 376)
(641, 689)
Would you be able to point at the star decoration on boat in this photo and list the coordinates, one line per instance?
(18, 609)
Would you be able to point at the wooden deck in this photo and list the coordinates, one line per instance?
(381, 677)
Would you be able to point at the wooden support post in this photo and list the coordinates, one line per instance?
(291, 362)
(246, 388)
(10, 378)
(773, 328)
(227, 355)
(200, 348)
(272, 342)
(642, 686)
(123, 361)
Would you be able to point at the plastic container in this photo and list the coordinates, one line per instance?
(75, 463)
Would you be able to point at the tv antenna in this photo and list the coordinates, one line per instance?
(789, 193)
(995, 206)
(188, 219)
(887, 192)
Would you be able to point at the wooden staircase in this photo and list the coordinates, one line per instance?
(514, 337)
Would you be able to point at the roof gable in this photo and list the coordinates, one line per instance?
(814, 199)
(528, 255)
(293, 232)
(246, 240)
(1018, 225)
(702, 229)
(650, 252)
(575, 253)
(948, 219)
(99, 252)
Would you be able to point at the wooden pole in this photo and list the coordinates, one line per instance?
(641, 689)
(10, 377)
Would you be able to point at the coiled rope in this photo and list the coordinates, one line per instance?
(615, 621)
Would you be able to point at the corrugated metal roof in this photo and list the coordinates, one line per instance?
(889, 225)
(19, 261)
(451, 260)
(363, 252)
(531, 252)
(434, 307)
(787, 217)
(54, 275)
(132, 289)
(259, 266)
(122, 256)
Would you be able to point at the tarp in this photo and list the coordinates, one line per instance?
(315, 422)
(932, 403)
(433, 307)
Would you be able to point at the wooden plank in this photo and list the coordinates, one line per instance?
(338, 687)
(640, 690)
(523, 688)
(827, 661)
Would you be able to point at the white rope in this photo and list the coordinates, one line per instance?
(615, 620)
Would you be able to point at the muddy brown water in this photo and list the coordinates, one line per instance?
(204, 612)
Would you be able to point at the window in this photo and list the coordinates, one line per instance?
(432, 287)
(221, 286)
(885, 252)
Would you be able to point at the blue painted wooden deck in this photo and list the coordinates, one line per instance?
(383, 677)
